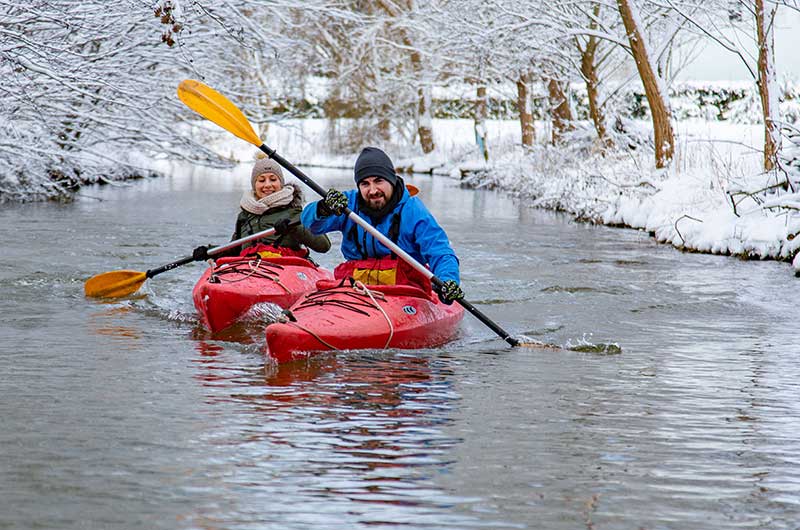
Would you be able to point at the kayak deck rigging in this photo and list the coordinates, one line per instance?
(357, 296)
(247, 269)
(349, 315)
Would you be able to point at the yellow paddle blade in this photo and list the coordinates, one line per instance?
(114, 284)
(215, 107)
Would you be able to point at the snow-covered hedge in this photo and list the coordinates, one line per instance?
(713, 101)
(736, 102)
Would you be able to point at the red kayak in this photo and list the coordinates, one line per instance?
(345, 316)
(228, 290)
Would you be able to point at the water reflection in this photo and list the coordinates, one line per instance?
(361, 432)
(108, 324)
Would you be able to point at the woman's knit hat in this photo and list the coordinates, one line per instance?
(266, 165)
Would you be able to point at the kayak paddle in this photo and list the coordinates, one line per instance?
(215, 107)
(116, 284)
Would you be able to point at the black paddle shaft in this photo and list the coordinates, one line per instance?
(215, 250)
(437, 283)
(169, 266)
(292, 169)
(490, 323)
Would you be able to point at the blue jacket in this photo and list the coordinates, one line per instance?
(420, 235)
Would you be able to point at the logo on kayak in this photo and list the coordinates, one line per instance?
(302, 276)
(410, 309)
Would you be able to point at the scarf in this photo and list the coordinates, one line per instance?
(282, 197)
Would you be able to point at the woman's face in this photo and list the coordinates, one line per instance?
(267, 184)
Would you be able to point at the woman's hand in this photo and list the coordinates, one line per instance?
(201, 253)
(283, 226)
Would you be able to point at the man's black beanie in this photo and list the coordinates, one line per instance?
(372, 162)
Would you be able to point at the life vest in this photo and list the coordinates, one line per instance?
(393, 233)
(387, 270)
(271, 251)
(382, 271)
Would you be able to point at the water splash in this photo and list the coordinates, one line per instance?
(584, 345)
(263, 313)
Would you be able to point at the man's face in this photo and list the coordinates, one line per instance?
(376, 191)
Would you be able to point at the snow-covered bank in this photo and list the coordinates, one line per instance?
(32, 179)
(707, 201)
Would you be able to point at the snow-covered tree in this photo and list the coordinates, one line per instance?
(484, 45)
(592, 26)
(87, 84)
(746, 28)
(402, 16)
(378, 70)
(654, 87)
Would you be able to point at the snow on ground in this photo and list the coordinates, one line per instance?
(689, 205)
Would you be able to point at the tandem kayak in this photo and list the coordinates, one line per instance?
(233, 285)
(351, 316)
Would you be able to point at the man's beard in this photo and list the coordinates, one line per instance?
(378, 202)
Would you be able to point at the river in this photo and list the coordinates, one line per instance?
(126, 415)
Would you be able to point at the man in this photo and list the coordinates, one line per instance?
(384, 202)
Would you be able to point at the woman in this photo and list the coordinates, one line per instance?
(271, 203)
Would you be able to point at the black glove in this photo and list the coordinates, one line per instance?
(334, 203)
(449, 292)
(283, 226)
(201, 253)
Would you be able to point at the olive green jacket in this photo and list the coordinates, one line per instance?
(249, 223)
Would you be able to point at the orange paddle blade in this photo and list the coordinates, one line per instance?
(215, 107)
(114, 284)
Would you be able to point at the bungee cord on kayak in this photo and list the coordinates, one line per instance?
(354, 295)
(321, 298)
(246, 269)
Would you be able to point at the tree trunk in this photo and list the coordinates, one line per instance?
(560, 111)
(424, 121)
(480, 122)
(767, 89)
(524, 106)
(263, 99)
(384, 126)
(424, 128)
(654, 88)
(589, 72)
